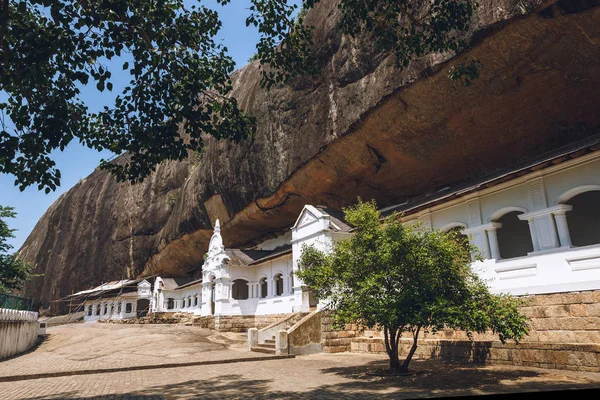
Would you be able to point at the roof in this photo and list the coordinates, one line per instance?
(337, 221)
(245, 257)
(174, 283)
(278, 252)
(106, 287)
(544, 160)
(191, 283)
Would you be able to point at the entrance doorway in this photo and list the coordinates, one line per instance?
(143, 305)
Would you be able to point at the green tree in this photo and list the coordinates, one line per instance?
(180, 75)
(13, 271)
(406, 279)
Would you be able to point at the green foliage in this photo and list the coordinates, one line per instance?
(409, 28)
(465, 72)
(180, 75)
(406, 279)
(13, 271)
(171, 199)
(49, 48)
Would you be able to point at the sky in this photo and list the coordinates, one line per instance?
(77, 161)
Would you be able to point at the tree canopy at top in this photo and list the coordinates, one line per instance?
(180, 75)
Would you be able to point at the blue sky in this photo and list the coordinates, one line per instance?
(76, 162)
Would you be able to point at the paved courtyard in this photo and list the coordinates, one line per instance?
(97, 347)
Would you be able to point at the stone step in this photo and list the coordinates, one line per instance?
(261, 349)
(267, 345)
(270, 341)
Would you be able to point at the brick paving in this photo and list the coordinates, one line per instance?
(95, 346)
(319, 376)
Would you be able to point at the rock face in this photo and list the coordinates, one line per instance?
(361, 128)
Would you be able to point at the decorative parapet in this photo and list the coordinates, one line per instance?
(18, 315)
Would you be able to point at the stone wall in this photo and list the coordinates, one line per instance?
(305, 336)
(237, 323)
(18, 331)
(564, 333)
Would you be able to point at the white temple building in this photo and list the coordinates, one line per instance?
(537, 225)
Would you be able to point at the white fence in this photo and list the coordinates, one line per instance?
(17, 315)
(18, 331)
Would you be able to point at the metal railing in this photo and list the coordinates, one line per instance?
(12, 302)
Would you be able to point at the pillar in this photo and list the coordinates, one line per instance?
(533, 233)
(563, 229)
(493, 240)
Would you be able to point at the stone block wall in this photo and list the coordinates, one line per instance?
(333, 340)
(236, 323)
(564, 333)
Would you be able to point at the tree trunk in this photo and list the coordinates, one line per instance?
(413, 348)
(391, 347)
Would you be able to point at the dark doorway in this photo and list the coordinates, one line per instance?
(143, 305)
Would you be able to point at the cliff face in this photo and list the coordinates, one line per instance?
(362, 128)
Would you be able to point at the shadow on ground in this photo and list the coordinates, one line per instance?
(432, 380)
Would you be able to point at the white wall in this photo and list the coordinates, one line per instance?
(554, 265)
(18, 331)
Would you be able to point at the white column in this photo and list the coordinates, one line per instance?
(493, 239)
(563, 229)
(533, 233)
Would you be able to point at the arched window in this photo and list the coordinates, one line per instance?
(461, 238)
(183, 303)
(170, 303)
(239, 290)
(514, 237)
(195, 300)
(98, 309)
(278, 281)
(119, 308)
(128, 308)
(105, 309)
(90, 310)
(189, 301)
(262, 283)
(584, 218)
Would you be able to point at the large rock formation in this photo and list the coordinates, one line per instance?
(361, 128)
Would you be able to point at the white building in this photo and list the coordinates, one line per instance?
(537, 225)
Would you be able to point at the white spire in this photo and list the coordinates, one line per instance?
(217, 226)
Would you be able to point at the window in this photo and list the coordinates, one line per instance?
(98, 310)
(89, 310)
(462, 239)
(128, 308)
(239, 290)
(170, 303)
(584, 218)
(183, 303)
(278, 281)
(105, 309)
(189, 301)
(119, 308)
(514, 237)
(262, 283)
(195, 300)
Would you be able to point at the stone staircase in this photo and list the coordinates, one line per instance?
(267, 345)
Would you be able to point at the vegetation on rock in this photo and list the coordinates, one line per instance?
(406, 279)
